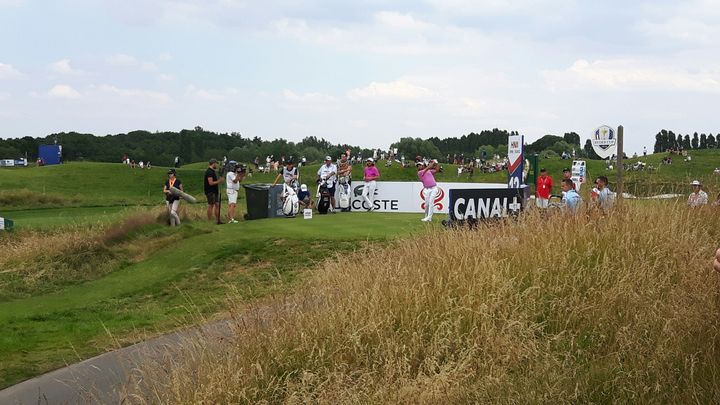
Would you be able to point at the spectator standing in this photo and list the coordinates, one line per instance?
(172, 202)
(370, 176)
(328, 173)
(601, 194)
(571, 198)
(426, 174)
(698, 197)
(345, 168)
(212, 192)
(232, 180)
(543, 189)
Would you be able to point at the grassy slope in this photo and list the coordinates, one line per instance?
(42, 332)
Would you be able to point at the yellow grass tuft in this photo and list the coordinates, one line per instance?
(622, 308)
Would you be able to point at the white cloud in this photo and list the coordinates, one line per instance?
(4, 96)
(399, 89)
(632, 75)
(63, 91)
(63, 67)
(401, 21)
(125, 60)
(311, 97)
(143, 95)
(9, 72)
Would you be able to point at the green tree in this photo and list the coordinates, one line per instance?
(686, 142)
(695, 143)
(572, 138)
(711, 142)
(589, 151)
(543, 143)
(411, 147)
(561, 146)
(703, 141)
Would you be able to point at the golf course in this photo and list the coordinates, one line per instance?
(405, 308)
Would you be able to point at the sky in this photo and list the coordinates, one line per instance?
(362, 72)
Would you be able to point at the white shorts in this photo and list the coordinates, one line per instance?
(232, 197)
(541, 202)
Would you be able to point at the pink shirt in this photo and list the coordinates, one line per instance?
(427, 178)
(371, 171)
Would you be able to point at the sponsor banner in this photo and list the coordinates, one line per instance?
(579, 173)
(395, 196)
(7, 162)
(604, 141)
(515, 156)
(486, 203)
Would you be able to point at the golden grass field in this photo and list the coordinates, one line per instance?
(622, 308)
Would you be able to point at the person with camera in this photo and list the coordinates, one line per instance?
(232, 180)
(212, 191)
(172, 201)
(426, 174)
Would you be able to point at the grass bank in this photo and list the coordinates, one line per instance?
(616, 309)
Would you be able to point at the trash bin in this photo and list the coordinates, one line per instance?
(6, 224)
(263, 201)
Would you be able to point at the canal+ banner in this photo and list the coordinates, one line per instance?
(486, 203)
(396, 196)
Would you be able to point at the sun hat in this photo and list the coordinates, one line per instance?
(371, 160)
(695, 183)
(303, 187)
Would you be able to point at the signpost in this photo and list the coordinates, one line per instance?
(604, 141)
(515, 156)
(579, 173)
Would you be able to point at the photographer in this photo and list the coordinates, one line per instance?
(233, 179)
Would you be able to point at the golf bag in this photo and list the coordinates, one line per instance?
(344, 196)
(323, 204)
(290, 202)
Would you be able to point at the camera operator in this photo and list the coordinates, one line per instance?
(233, 179)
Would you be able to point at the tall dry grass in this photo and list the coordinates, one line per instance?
(616, 309)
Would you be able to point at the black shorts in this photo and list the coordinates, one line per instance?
(331, 190)
(212, 198)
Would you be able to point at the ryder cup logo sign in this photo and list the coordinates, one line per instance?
(604, 141)
(437, 201)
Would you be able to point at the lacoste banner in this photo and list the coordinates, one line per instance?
(396, 196)
(485, 203)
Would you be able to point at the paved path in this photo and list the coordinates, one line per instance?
(102, 379)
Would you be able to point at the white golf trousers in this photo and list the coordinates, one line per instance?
(368, 193)
(172, 209)
(430, 194)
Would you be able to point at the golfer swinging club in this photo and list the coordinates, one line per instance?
(426, 174)
(172, 202)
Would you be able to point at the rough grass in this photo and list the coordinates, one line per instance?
(615, 309)
(36, 262)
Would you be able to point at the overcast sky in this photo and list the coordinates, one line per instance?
(363, 72)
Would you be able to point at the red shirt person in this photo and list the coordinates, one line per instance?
(543, 189)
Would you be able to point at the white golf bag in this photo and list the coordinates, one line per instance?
(290, 201)
(344, 193)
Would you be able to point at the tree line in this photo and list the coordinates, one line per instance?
(198, 144)
(667, 140)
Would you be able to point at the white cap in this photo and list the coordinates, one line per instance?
(303, 187)
(328, 158)
(695, 183)
(370, 160)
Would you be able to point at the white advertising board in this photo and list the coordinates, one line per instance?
(603, 141)
(579, 174)
(396, 196)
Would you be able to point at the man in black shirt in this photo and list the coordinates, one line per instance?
(212, 191)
